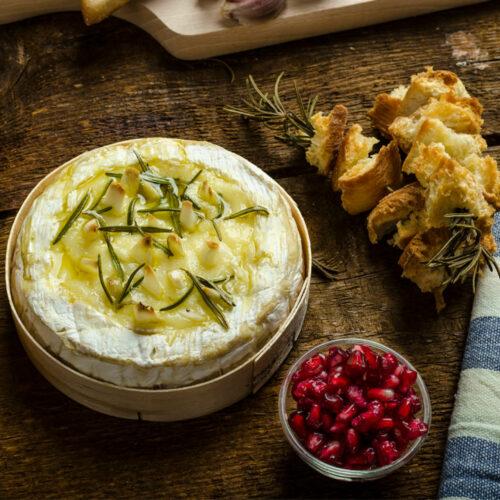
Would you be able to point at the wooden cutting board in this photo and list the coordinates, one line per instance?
(195, 29)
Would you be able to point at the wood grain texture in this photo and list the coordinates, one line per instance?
(66, 88)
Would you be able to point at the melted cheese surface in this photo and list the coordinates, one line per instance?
(61, 299)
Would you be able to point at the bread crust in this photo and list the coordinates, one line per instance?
(363, 189)
(393, 208)
(329, 131)
(384, 111)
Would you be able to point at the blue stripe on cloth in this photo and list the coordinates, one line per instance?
(471, 469)
(483, 344)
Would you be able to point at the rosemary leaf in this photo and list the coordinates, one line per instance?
(219, 315)
(134, 229)
(115, 175)
(126, 288)
(217, 230)
(222, 280)
(130, 211)
(104, 210)
(158, 209)
(144, 166)
(72, 218)
(325, 271)
(101, 279)
(101, 196)
(195, 204)
(222, 294)
(156, 179)
(179, 301)
(156, 243)
(188, 183)
(249, 210)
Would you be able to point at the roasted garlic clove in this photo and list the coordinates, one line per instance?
(188, 218)
(89, 265)
(91, 229)
(150, 191)
(243, 11)
(131, 181)
(177, 278)
(142, 251)
(209, 253)
(207, 193)
(114, 286)
(144, 315)
(175, 244)
(151, 282)
(115, 197)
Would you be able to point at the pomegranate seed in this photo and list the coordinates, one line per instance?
(391, 382)
(399, 370)
(401, 441)
(298, 376)
(384, 424)
(372, 358)
(346, 415)
(405, 408)
(370, 455)
(315, 442)
(332, 452)
(408, 378)
(305, 403)
(380, 394)
(355, 365)
(415, 400)
(319, 387)
(364, 421)
(337, 382)
(314, 418)
(416, 428)
(391, 406)
(333, 402)
(355, 396)
(352, 440)
(387, 452)
(337, 428)
(336, 357)
(327, 420)
(302, 389)
(298, 424)
(314, 365)
(388, 363)
(323, 375)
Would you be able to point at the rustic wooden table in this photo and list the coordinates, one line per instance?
(67, 88)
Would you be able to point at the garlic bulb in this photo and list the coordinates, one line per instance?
(244, 11)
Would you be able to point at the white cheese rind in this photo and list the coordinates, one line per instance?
(92, 341)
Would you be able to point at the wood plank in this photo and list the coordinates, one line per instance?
(66, 88)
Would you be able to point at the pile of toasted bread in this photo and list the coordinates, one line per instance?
(437, 125)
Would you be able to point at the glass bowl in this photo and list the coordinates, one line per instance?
(287, 405)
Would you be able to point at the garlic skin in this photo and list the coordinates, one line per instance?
(246, 11)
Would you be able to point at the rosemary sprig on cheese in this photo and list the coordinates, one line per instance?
(257, 209)
(72, 218)
(156, 243)
(178, 302)
(101, 279)
(144, 166)
(128, 284)
(135, 229)
(101, 196)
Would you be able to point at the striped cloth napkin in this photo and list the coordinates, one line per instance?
(472, 459)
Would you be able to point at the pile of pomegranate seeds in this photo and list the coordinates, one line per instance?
(356, 409)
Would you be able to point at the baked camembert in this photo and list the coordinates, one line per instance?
(157, 262)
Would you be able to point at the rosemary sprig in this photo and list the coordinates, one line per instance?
(134, 229)
(222, 294)
(115, 175)
(101, 196)
(128, 284)
(249, 210)
(216, 229)
(297, 128)
(72, 218)
(144, 166)
(223, 279)
(323, 270)
(130, 211)
(156, 179)
(104, 210)
(101, 279)
(219, 315)
(173, 201)
(157, 209)
(178, 302)
(188, 183)
(462, 254)
(114, 258)
(156, 243)
(194, 202)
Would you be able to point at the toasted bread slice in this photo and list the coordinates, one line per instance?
(366, 183)
(430, 84)
(461, 114)
(329, 131)
(94, 11)
(457, 145)
(393, 208)
(452, 188)
(386, 109)
(354, 148)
